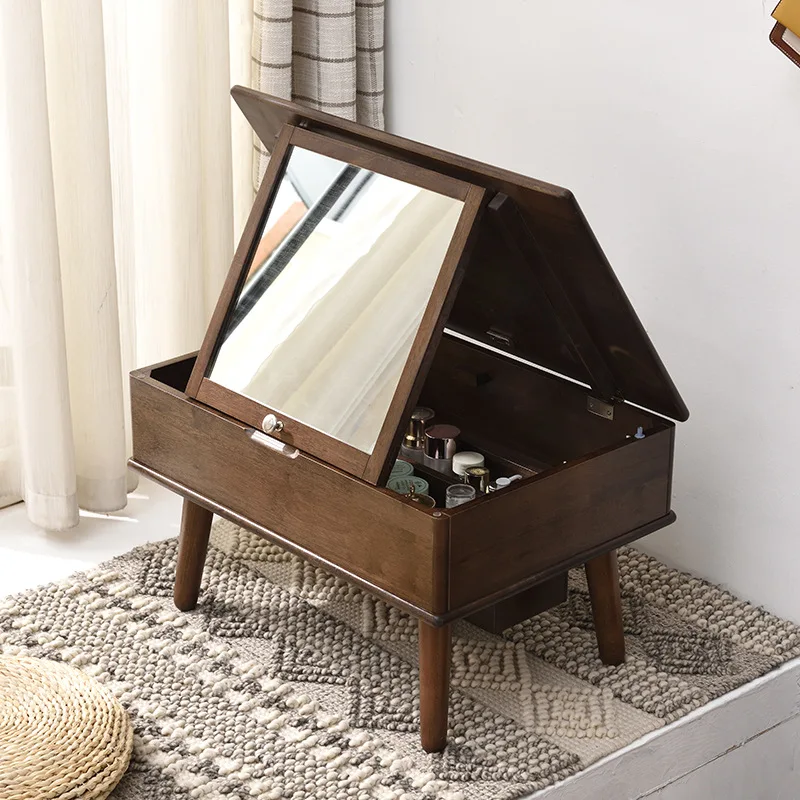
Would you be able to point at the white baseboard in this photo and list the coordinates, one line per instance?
(680, 752)
(764, 768)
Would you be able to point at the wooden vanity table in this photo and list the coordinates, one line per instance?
(415, 277)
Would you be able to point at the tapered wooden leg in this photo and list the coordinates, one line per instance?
(192, 548)
(434, 685)
(602, 575)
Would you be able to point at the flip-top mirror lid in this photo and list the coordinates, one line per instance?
(562, 309)
(331, 361)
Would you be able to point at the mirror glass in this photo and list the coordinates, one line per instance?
(334, 295)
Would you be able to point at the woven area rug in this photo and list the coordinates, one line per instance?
(289, 683)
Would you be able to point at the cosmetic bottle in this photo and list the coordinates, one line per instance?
(477, 477)
(412, 448)
(440, 447)
(464, 459)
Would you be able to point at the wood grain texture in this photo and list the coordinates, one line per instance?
(372, 533)
(602, 575)
(537, 523)
(560, 230)
(532, 579)
(519, 411)
(192, 549)
(294, 432)
(268, 118)
(373, 467)
(511, 227)
(370, 159)
(242, 258)
(434, 685)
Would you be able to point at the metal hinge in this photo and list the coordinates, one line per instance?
(603, 408)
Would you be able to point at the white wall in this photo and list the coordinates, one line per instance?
(677, 125)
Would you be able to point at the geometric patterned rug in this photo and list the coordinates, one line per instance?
(286, 682)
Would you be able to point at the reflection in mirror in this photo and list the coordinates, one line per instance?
(335, 293)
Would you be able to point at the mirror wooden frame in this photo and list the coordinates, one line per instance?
(371, 467)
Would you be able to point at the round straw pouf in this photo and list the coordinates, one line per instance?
(62, 734)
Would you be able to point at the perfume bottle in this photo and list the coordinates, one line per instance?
(412, 448)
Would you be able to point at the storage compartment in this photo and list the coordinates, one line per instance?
(589, 484)
(372, 536)
(520, 414)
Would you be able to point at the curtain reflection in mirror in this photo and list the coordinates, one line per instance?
(336, 293)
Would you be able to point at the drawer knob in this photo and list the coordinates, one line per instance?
(271, 424)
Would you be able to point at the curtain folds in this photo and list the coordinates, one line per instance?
(126, 182)
(326, 54)
(116, 225)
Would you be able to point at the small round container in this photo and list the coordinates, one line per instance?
(440, 441)
(478, 477)
(401, 469)
(458, 494)
(404, 483)
(424, 500)
(465, 459)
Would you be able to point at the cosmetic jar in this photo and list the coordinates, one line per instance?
(402, 469)
(440, 446)
(464, 459)
(421, 499)
(477, 477)
(413, 445)
(404, 483)
(458, 494)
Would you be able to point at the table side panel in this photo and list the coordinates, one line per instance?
(530, 528)
(345, 521)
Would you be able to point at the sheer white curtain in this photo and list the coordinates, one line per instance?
(117, 197)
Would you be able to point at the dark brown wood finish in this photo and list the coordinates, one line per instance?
(522, 606)
(192, 548)
(518, 410)
(561, 232)
(372, 533)
(536, 286)
(510, 227)
(433, 552)
(367, 158)
(602, 575)
(372, 467)
(237, 273)
(434, 685)
(290, 546)
(545, 574)
(536, 523)
(294, 433)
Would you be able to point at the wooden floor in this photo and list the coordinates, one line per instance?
(743, 746)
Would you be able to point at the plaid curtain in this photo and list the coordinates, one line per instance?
(325, 54)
